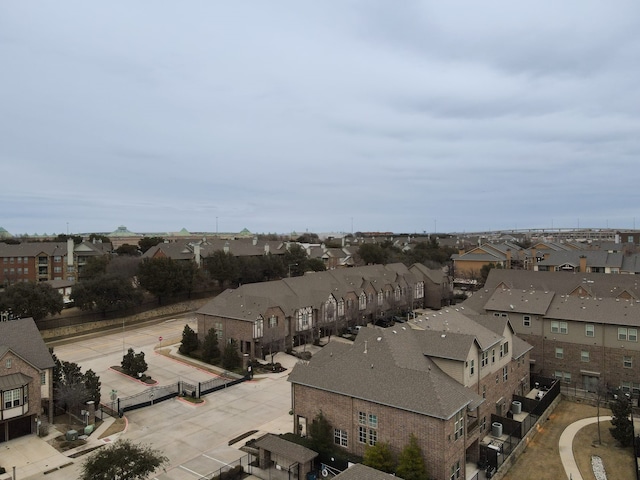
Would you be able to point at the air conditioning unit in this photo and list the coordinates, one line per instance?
(71, 435)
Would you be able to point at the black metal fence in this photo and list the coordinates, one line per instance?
(157, 394)
(497, 451)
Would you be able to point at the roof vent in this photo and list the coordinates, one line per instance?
(394, 331)
(379, 338)
(443, 335)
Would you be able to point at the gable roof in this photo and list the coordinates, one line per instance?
(285, 448)
(22, 337)
(396, 360)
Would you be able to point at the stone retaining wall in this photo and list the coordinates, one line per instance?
(89, 327)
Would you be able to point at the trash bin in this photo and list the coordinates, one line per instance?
(496, 429)
(516, 407)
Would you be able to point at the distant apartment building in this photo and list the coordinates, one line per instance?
(44, 261)
(583, 326)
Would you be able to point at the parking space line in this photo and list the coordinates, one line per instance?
(191, 471)
(215, 460)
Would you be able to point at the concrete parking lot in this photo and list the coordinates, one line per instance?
(194, 437)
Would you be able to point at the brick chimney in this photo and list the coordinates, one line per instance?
(583, 263)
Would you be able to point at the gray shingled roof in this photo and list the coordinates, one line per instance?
(24, 339)
(386, 368)
(455, 320)
(310, 290)
(595, 309)
(603, 285)
(534, 302)
(285, 448)
(359, 471)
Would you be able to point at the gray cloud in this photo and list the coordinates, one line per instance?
(293, 116)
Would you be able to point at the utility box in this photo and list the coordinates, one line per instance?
(71, 435)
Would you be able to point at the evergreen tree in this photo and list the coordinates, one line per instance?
(321, 434)
(380, 457)
(411, 463)
(127, 361)
(92, 384)
(189, 341)
(230, 357)
(210, 349)
(622, 426)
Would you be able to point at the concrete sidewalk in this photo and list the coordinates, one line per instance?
(565, 445)
(32, 455)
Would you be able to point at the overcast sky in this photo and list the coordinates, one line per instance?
(283, 116)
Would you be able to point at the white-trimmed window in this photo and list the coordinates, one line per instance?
(43, 378)
(627, 362)
(526, 320)
(505, 373)
(397, 292)
(373, 437)
(504, 349)
(7, 363)
(341, 308)
(380, 298)
(419, 292)
(273, 321)
(373, 421)
(12, 398)
(628, 334)
(458, 426)
(590, 330)
(258, 326)
(455, 471)
(484, 359)
(493, 355)
(304, 318)
(362, 301)
(340, 437)
(559, 352)
(219, 330)
(362, 434)
(585, 356)
(559, 327)
(472, 367)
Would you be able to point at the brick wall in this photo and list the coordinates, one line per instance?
(20, 366)
(395, 426)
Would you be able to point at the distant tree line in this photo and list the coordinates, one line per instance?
(429, 253)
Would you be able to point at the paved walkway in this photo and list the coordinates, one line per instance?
(33, 455)
(566, 445)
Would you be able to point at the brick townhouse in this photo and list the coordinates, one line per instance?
(265, 316)
(583, 327)
(440, 381)
(26, 379)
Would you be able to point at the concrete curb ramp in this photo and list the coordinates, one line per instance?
(565, 445)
